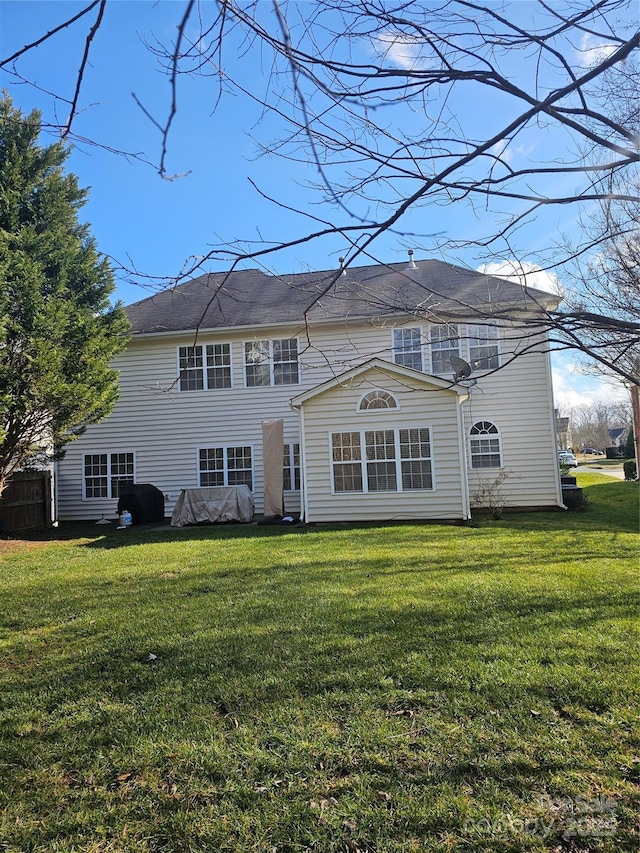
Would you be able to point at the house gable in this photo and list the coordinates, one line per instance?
(404, 460)
(395, 372)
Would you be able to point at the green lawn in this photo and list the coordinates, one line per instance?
(349, 688)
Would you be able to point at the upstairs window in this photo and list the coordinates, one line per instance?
(445, 342)
(483, 347)
(104, 474)
(407, 347)
(205, 367)
(271, 362)
(377, 400)
(485, 445)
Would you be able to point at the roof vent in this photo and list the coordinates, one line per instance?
(344, 272)
(412, 264)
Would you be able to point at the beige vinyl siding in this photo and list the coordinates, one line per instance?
(164, 426)
(518, 401)
(335, 411)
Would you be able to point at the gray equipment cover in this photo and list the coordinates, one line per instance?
(214, 504)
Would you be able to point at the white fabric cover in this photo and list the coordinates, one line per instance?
(214, 504)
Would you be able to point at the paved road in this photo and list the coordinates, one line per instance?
(601, 469)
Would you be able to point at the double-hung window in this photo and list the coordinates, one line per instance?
(483, 346)
(445, 342)
(387, 460)
(485, 445)
(271, 362)
(104, 474)
(205, 366)
(407, 347)
(291, 468)
(225, 466)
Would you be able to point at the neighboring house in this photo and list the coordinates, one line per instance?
(358, 365)
(617, 436)
(563, 432)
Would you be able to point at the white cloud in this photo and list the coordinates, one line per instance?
(592, 50)
(528, 275)
(400, 50)
(573, 388)
(502, 151)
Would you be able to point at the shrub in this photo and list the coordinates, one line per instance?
(630, 470)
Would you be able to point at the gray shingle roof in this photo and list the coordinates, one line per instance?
(434, 289)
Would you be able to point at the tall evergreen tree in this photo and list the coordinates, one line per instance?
(58, 327)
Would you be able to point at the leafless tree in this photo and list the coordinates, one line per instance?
(381, 99)
(590, 424)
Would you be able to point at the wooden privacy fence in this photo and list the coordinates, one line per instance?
(25, 504)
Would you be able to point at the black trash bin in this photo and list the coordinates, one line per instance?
(144, 501)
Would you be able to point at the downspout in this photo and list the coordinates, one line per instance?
(56, 493)
(552, 419)
(464, 468)
(634, 390)
(304, 510)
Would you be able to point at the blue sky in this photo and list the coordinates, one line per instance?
(160, 227)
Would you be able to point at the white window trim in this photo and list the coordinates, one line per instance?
(363, 461)
(109, 454)
(270, 341)
(421, 349)
(376, 412)
(471, 438)
(459, 351)
(289, 446)
(225, 470)
(467, 346)
(205, 376)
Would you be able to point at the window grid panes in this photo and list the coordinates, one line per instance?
(206, 366)
(106, 473)
(257, 363)
(212, 466)
(415, 455)
(121, 472)
(226, 466)
(271, 362)
(291, 468)
(347, 468)
(483, 347)
(191, 377)
(95, 475)
(378, 400)
(285, 362)
(218, 365)
(407, 347)
(381, 467)
(393, 460)
(485, 445)
(445, 342)
(239, 468)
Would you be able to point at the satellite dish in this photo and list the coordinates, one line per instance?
(462, 368)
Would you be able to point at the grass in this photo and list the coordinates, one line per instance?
(383, 689)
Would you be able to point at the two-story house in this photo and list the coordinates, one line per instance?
(366, 369)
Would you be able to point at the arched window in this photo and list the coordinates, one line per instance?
(377, 400)
(485, 445)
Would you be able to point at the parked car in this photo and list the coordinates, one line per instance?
(566, 457)
(591, 451)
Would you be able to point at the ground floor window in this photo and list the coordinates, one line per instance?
(387, 460)
(226, 466)
(291, 468)
(104, 474)
(485, 445)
